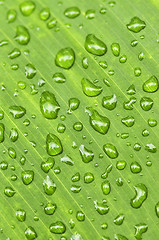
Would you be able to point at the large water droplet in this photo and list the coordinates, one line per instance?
(128, 121)
(106, 187)
(49, 105)
(46, 166)
(139, 230)
(87, 155)
(30, 71)
(141, 195)
(150, 148)
(27, 177)
(13, 135)
(119, 219)
(49, 186)
(90, 89)
(94, 45)
(65, 58)
(9, 191)
(146, 103)
(17, 111)
(109, 102)
(136, 25)
(30, 233)
(53, 145)
(88, 177)
(27, 8)
(11, 15)
(21, 215)
(22, 35)
(100, 123)
(135, 167)
(50, 208)
(115, 47)
(101, 208)
(110, 150)
(57, 227)
(151, 85)
(72, 12)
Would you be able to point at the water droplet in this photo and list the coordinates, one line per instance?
(22, 35)
(53, 145)
(21, 215)
(128, 121)
(110, 150)
(129, 104)
(73, 104)
(90, 14)
(120, 165)
(109, 102)
(76, 177)
(87, 155)
(14, 67)
(120, 237)
(101, 208)
(1, 114)
(14, 53)
(78, 126)
(123, 59)
(50, 208)
(22, 160)
(146, 103)
(80, 216)
(139, 230)
(119, 219)
(48, 105)
(103, 64)
(72, 12)
(30, 233)
(136, 25)
(151, 85)
(90, 89)
(65, 58)
(145, 133)
(88, 177)
(135, 167)
(150, 148)
(157, 209)
(46, 166)
(131, 90)
(104, 226)
(152, 122)
(27, 8)
(134, 43)
(59, 77)
(141, 192)
(2, 130)
(13, 135)
(49, 186)
(85, 63)
(141, 56)
(137, 71)
(27, 177)
(115, 47)
(57, 227)
(9, 191)
(21, 85)
(17, 111)
(11, 15)
(103, 10)
(94, 45)
(30, 71)
(61, 128)
(75, 188)
(52, 23)
(68, 160)
(3, 165)
(12, 153)
(99, 123)
(45, 14)
(105, 186)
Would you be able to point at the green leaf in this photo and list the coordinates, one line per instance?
(78, 120)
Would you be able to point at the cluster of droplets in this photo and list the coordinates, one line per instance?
(50, 106)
